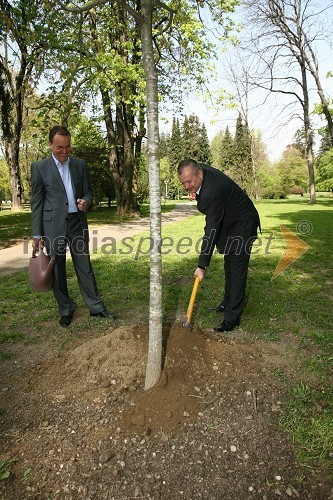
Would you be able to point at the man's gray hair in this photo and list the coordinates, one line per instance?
(189, 163)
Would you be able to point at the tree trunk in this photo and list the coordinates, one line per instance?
(11, 104)
(254, 169)
(15, 177)
(121, 157)
(154, 362)
(309, 158)
(308, 135)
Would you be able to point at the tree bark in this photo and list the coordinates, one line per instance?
(154, 362)
(14, 174)
(120, 125)
(121, 157)
(11, 106)
(308, 135)
(254, 169)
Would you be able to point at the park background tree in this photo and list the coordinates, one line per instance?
(89, 143)
(24, 43)
(238, 74)
(175, 156)
(105, 64)
(241, 168)
(292, 168)
(325, 171)
(281, 40)
(216, 149)
(227, 151)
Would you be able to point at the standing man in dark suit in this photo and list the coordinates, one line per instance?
(231, 226)
(61, 194)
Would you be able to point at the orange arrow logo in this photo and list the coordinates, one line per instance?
(294, 248)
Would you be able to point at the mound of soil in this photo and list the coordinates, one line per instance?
(81, 426)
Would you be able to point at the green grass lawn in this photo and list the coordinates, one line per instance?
(297, 304)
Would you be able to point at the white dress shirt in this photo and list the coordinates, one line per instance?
(65, 174)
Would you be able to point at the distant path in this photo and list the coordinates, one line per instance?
(16, 258)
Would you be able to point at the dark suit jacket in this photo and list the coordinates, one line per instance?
(231, 217)
(49, 203)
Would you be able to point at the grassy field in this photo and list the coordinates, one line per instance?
(295, 307)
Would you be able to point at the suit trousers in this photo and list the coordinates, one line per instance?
(79, 250)
(235, 270)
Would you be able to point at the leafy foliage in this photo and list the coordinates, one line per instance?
(90, 144)
(325, 171)
(216, 149)
(292, 169)
(5, 192)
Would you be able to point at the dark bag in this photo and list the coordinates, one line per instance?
(41, 271)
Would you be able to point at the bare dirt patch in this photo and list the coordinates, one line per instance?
(81, 426)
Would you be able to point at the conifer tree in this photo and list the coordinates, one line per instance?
(164, 144)
(175, 156)
(241, 170)
(227, 151)
(325, 142)
(300, 141)
(216, 149)
(195, 140)
(191, 137)
(204, 151)
(175, 149)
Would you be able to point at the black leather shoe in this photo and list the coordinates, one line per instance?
(66, 320)
(104, 314)
(226, 326)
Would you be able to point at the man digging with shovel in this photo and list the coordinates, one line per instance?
(231, 226)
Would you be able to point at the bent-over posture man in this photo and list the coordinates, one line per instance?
(231, 225)
(61, 194)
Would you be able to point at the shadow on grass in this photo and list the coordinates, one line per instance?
(14, 227)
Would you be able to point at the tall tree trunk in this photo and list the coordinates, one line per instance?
(154, 363)
(138, 150)
(120, 130)
(11, 105)
(254, 168)
(14, 175)
(309, 158)
(121, 157)
(308, 135)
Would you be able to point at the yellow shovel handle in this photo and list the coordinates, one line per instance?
(192, 300)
